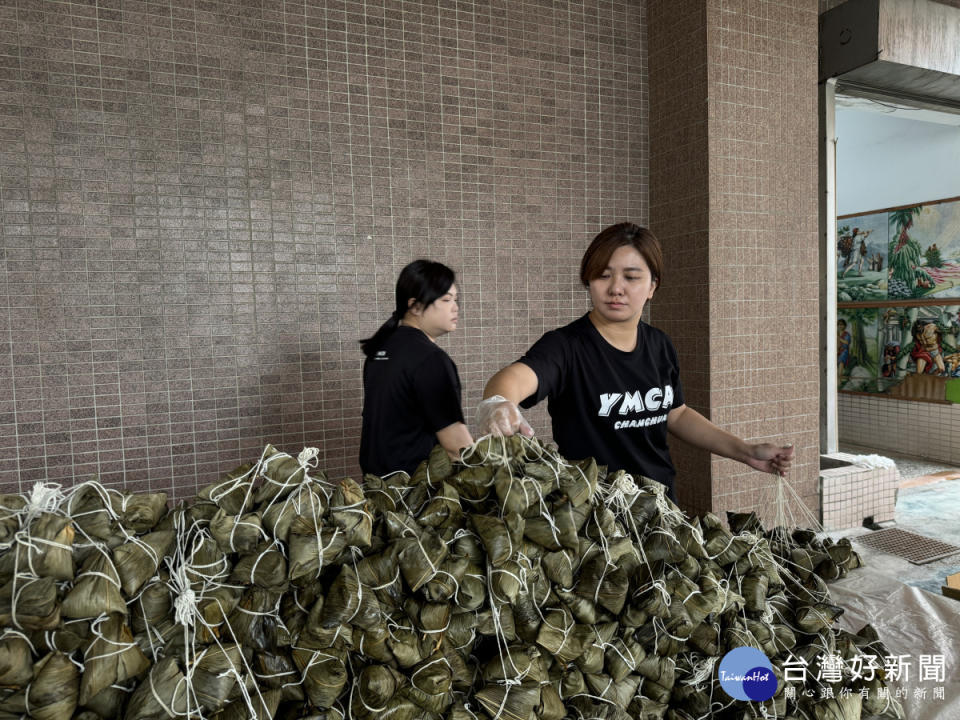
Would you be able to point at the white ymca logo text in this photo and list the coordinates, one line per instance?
(636, 402)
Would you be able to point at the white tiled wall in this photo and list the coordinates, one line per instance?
(851, 493)
(927, 430)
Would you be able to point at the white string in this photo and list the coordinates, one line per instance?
(308, 458)
(17, 633)
(187, 614)
(95, 629)
(701, 671)
(43, 498)
(156, 696)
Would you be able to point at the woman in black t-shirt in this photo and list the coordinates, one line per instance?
(612, 381)
(411, 387)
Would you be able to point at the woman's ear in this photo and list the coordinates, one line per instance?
(414, 307)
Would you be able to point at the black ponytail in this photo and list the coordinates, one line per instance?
(424, 281)
(373, 343)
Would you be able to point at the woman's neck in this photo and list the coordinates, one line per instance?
(622, 335)
(412, 321)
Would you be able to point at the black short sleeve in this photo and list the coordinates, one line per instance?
(411, 391)
(548, 358)
(607, 403)
(437, 384)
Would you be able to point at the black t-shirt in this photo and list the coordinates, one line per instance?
(606, 403)
(411, 390)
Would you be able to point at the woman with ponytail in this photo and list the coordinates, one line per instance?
(411, 386)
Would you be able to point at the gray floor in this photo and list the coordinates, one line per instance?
(932, 510)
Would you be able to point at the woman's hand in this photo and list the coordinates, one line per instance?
(454, 438)
(692, 427)
(499, 416)
(770, 458)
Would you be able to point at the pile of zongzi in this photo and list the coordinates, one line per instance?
(511, 585)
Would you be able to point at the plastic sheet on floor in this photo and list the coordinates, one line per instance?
(913, 623)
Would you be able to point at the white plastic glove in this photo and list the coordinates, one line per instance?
(499, 416)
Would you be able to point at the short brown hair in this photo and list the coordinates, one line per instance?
(597, 256)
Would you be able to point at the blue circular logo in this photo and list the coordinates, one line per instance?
(746, 674)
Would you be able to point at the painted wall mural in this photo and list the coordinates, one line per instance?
(890, 265)
(900, 254)
(878, 347)
(862, 250)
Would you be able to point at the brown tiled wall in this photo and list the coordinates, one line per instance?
(733, 137)
(764, 237)
(205, 205)
(679, 212)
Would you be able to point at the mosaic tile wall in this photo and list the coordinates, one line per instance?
(733, 119)
(205, 205)
(679, 212)
(764, 312)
